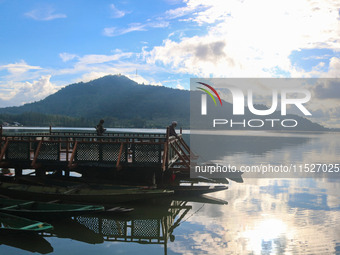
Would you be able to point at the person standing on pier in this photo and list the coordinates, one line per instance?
(100, 129)
(172, 131)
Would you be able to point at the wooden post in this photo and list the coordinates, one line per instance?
(4, 150)
(119, 155)
(166, 145)
(18, 172)
(180, 130)
(181, 150)
(180, 156)
(50, 129)
(67, 173)
(37, 153)
(165, 153)
(73, 154)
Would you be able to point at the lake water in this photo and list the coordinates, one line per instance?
(263, 215)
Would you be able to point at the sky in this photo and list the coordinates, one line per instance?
(48, 44)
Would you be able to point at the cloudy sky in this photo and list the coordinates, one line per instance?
(47, 44)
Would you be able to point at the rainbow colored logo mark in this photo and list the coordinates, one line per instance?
(208, 92)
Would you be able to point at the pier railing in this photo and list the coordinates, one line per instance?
(75, 150)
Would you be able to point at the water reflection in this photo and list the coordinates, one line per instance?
(293, 216)
(302, 154)
(31, 243)
(152, 227)
(152, 222)
(263, 216)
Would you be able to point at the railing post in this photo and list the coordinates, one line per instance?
(120, 155)
(50, 129)
(37, 153)
(4, 150)
(73, 154)
(166, 149)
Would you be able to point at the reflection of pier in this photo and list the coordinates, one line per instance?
(151, 223)
(119, 156)
(150, 229)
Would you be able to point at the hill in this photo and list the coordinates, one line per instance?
(115, 98)
(122, 102)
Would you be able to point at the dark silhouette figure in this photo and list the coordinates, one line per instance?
(100, 129)
(172, 131)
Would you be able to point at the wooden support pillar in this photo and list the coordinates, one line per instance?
(3, 150)
(18, 172)
(120, 155)
(40, 172)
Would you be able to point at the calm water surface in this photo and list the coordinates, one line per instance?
(263, 216)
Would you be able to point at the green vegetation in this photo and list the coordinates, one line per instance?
(118, 100)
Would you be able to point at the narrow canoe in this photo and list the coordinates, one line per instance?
(80, 194)
(14, 224)
(39, 210)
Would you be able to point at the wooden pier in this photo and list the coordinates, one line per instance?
(121, 157)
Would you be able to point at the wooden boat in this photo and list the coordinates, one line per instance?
(39, 210)
(183, 188)
(80, 193)
(14, 224)
(70, 182)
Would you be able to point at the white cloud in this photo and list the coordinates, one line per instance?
(178, 86)
(114, 31)
(67, 56)
(142, 80)
(191, 7)
(93, 66)
(45, 14)
(334, 68)
(255, 38)
(19, 68)
(115, 12)
(91, 76)
(24, 92)
(99, 59)
(39, 89)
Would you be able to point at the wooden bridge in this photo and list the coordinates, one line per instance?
(118, 156)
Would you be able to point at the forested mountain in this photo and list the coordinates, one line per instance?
(122, 102)
(115, 98)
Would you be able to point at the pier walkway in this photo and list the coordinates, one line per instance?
(90, 155)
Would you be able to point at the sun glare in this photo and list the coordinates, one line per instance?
(263, 235)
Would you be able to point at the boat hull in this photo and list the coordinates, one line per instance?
(10, 224)
(79, 194)
(40, 210)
